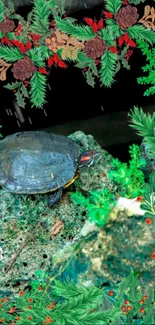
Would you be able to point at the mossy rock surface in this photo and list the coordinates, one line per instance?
(21, 213)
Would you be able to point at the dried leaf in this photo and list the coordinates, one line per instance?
(146, 11)
(152, 11)
(4, 66)
(74, 54)
(58, 226)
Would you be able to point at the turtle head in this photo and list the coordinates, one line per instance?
(89, 158)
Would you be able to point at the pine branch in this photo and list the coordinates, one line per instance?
(38, 89)
(113, 28)
(108, 68)
(82, 33)
(37, 55)
(142, 122)
(10, 54)
(2, 10)
(108, 36)
(113, 5)
(141, 33)
(69, 290)
(41, 13)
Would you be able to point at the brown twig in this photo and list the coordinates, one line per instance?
(29, 237)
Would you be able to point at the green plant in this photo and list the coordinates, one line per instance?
(149, 68)
(149, 198)
(129, 177)
(144, 123)
(98, 204)
(99, 48)
(74, 304)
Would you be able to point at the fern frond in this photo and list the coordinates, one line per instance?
(142, 122)
(82, 33)
(38, 89)
(108, 68)
(2, 11)
(113, 5)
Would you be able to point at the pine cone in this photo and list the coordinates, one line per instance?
(127, 17)
(23, 69)
(7, 26)
(94, 48)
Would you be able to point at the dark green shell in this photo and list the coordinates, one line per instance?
(37, 161)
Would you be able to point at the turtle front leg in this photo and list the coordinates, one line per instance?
(55, 197)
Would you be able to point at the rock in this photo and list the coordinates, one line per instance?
(20, 213)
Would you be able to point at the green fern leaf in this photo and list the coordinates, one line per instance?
(142, 122)
(107, 37)
(36, 56)
(38, 89)
(10, 54)
(108, 68)
(2, 11)
(113, 5)
(113, 28)
(82, 33)
(40, 17)
(141, 33)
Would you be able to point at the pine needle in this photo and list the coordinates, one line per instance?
(141, 33)
(82, 33)
(2, 9)
(38, 89)
(108, 68)
(142, 122)
(113, 5)
(41, 13)
(10, 54)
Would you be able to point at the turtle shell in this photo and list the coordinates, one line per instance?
(37, 161)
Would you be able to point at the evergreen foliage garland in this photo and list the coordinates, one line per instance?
(48, 38)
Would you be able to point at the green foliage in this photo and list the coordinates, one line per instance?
(113, 28)
(108, 68)
(98, 205)
(72, 304)
(113, 5)
(37, 56)
(136, 2)
(144, 123)
(149, 198)
(149, 68)
(2, 10)
(38, 89)
(82, 33)
(10, 54)
(41, 12)
(129, 177)
(1, 136)
(139, 32)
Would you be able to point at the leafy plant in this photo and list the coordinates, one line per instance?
(129, 177)
(144, 123)
(98, 204)
(32, 36)
(149, 198)
(149, 68)
(73, 304)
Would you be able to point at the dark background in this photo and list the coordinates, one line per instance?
(70, 98)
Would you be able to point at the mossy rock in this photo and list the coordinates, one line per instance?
(21, 213)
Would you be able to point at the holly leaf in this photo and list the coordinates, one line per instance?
(81, 65)
(12, 86)
(118, 67)
(24, 91)
(19, 98)
(29, 16)
(90, 78)
(125, 64)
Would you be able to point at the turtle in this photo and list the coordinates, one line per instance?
(37, 162)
